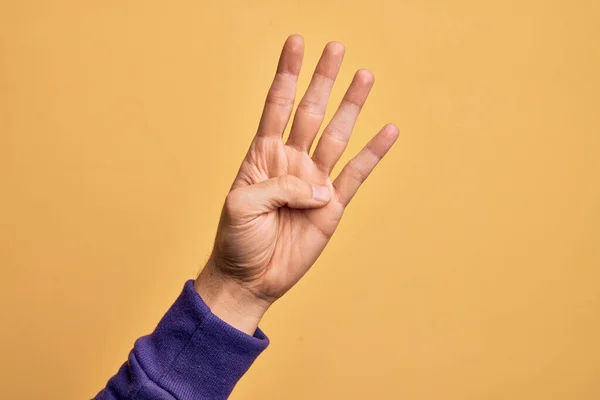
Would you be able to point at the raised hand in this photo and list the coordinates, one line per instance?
(282, 208)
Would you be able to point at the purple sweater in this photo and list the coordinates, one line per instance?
(191, 354)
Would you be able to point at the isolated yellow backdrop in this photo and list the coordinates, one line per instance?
(466, 268)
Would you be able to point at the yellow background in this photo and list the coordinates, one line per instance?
(466, 268)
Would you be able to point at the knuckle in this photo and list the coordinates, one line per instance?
(233, 201)
(312, 108)
(284, 183)
(279, 100)
(356, 172)
(289, 186)
(335, 134)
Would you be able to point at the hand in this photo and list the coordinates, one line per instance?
(282, 208)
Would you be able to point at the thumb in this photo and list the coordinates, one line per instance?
(280, 191)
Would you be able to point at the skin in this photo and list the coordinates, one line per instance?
(283, 208)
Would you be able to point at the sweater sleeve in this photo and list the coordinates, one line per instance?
(191, 354)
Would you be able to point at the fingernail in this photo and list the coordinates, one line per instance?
(321, 193)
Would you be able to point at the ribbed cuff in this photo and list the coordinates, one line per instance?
(193, 354)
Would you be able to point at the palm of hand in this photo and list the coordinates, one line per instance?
(280, 245)
(269, 247)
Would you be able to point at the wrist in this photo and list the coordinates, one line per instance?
(229, 300)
